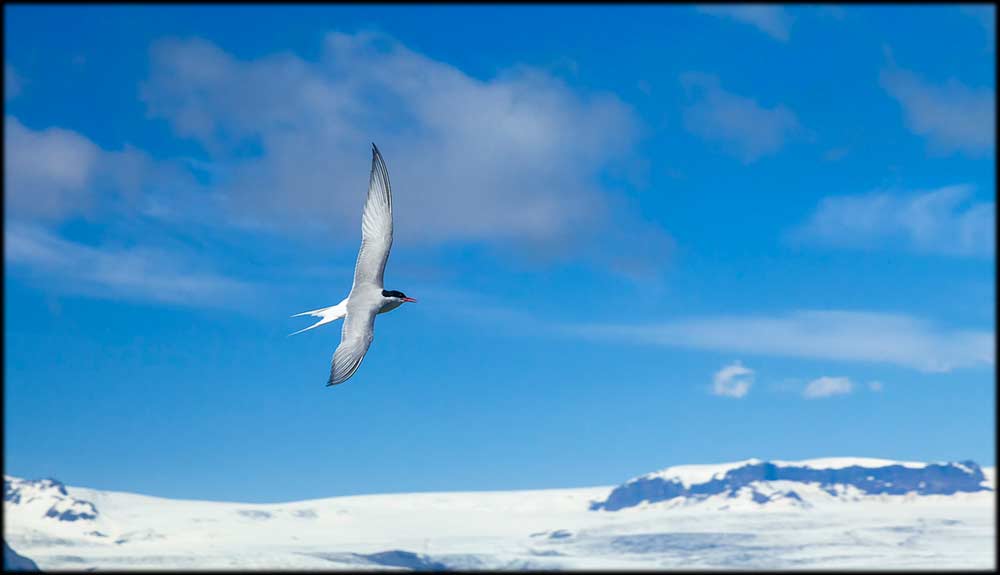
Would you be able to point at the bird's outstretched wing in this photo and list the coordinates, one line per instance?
(376, 226)
(357, 335)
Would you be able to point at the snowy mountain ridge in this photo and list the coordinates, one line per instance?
(49, 494)
(796, 483)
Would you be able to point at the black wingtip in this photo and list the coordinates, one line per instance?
(375, 149)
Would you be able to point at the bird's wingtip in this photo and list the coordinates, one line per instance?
(375, 149)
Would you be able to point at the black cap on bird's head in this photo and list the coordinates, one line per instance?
(397, 295)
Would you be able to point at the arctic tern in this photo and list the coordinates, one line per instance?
(368, 298)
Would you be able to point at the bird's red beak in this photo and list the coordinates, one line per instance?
(410, 299)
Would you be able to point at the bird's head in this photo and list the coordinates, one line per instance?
(397, 296)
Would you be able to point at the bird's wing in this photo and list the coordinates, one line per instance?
(357, 335)
(376, 226)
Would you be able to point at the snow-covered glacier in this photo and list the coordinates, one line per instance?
(753, 514)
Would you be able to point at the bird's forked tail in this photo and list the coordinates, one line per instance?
(328, 314)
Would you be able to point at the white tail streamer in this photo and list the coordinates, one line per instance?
(327, 315)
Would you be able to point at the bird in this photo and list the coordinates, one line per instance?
(368, 296)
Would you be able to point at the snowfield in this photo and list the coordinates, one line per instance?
(829, 527)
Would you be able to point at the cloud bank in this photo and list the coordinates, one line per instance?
(517, 157)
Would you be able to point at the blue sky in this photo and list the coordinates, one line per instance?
(640, 236)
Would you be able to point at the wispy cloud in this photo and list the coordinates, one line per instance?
(770, 19)
(876, 386)
(941, 221)
(744, 127)
(854, 336)
(827, 387)
(136, 272)
(518, 157)
(733, 380)
(952, 115)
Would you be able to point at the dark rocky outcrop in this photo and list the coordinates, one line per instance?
(14, 562)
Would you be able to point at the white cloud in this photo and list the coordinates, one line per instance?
(827, 386)
(12, 82)
(744, 127)
(771, 19)
(941, 221)
(733, 380)
(47, 172)
(875, 386)
(854, 336)
(953, 116)
(56, 173)
(136, 272)
(516, 157)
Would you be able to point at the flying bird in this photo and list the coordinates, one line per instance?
(368, 297)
